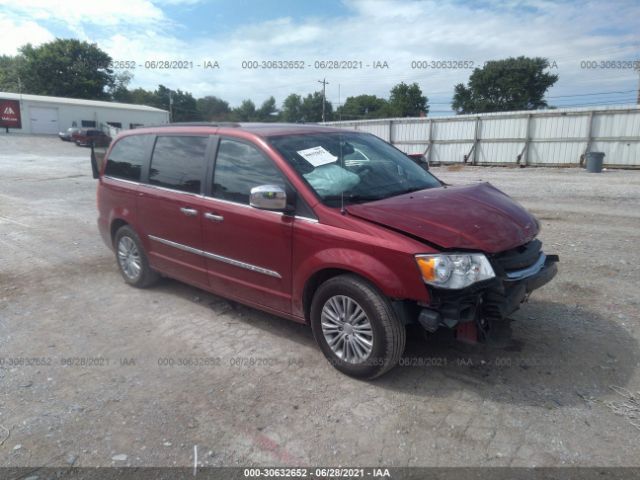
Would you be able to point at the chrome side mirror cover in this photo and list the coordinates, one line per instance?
(268, 197)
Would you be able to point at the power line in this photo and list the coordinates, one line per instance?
(638, 97)
(619, 102)
(587, 94)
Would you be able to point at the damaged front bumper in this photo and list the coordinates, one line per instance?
(494, 299)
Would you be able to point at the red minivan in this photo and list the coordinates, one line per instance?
(320, 225)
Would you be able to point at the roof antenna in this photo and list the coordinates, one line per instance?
(342, 210)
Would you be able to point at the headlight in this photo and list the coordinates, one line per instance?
(454, 271)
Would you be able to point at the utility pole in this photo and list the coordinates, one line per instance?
(170, 107)
(638, 99)
(324, 96)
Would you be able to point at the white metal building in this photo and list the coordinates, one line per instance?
(559, 137)
(50, 115)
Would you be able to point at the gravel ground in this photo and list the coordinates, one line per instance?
(552, 397)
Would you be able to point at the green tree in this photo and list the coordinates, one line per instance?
(213, 108)
(66, 68)
(292, 109)
(362, 106)
(183, 105)
(118, 90)
(141, 96)
(407, 101)
(504, 85)
(246, 112)
(311, 108)
(9, 74)
(268, 112)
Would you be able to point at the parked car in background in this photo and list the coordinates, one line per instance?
(87, 137)
(327, 227)
(68, 135)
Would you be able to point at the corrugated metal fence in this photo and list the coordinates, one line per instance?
(540, 138)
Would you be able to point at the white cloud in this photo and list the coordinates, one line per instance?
(75, 12)
(373, 30)
(17, 33)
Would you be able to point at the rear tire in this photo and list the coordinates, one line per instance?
(356, 327)
(132, 260)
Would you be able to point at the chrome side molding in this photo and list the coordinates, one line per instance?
(215, 256)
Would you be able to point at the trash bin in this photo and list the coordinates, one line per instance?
(594, 162)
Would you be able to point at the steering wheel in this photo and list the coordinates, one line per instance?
(361, 170)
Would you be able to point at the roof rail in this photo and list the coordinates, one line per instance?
(192, 124)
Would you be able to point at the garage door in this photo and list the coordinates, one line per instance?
(43, 120)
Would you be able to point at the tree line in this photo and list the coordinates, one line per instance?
(77, 69)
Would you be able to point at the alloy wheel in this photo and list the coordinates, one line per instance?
(129, 258)
(347, 329)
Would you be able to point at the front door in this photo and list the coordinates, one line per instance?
(248, 251)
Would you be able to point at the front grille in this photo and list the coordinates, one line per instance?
(493, 299)
(517, 258)
(502, 299)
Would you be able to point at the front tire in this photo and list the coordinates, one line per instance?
(356, 327)
(131, 259)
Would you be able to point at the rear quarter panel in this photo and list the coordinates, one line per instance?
(116, 201)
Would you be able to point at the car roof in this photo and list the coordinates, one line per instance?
(274, 129)
(259, 129)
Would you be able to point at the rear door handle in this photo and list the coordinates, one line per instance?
(213, 217)
(189, 212)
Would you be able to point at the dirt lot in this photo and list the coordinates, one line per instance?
(552, 397)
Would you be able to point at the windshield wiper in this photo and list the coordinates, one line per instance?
(408, 190)
(352, 198)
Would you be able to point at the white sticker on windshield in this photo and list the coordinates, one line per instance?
(317, 156)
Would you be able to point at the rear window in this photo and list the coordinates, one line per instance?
(178, 162)
(127, 157)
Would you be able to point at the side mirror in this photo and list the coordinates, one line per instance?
(420, 159)
(268, 197)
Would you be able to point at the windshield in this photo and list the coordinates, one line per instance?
(358, 167)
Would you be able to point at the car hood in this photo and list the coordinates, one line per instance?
(471, 217)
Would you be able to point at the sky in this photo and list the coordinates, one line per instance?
(392, 35)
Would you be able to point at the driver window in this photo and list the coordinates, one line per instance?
(239, 167)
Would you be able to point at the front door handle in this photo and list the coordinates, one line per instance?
(189, 212)
(213, 217)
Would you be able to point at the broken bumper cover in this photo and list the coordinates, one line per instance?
(495, 299)
(502, 300)
(545, 274)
